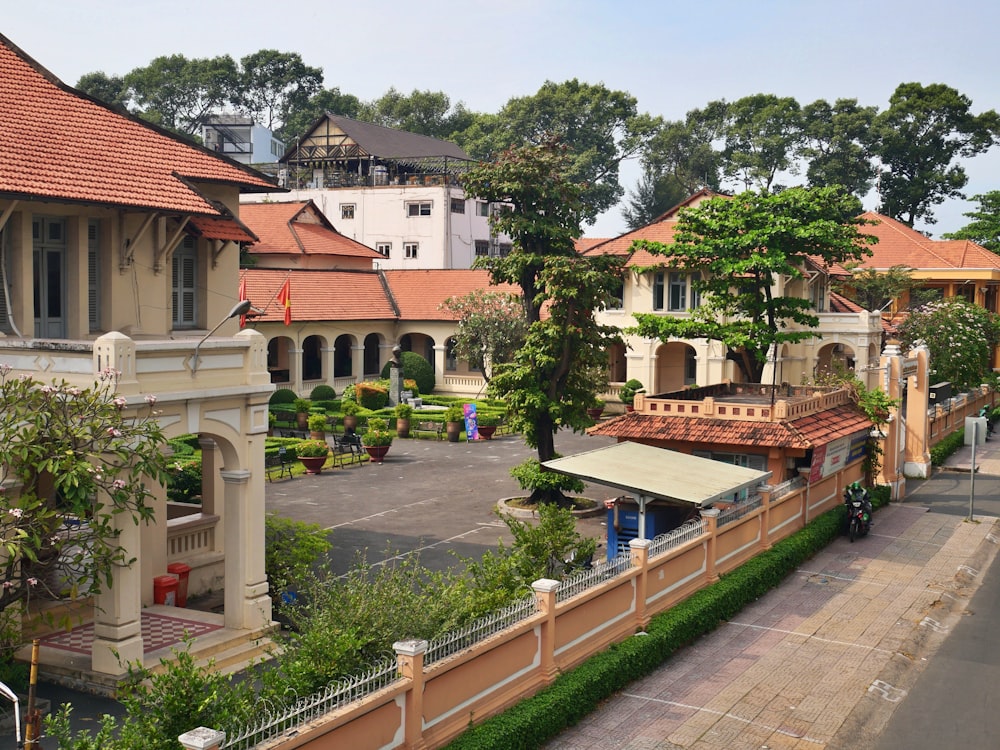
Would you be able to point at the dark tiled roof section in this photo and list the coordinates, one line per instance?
(58, 144)
(388, 143)
(802, 433)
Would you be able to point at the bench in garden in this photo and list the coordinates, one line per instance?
(433, 428)
(280, 462)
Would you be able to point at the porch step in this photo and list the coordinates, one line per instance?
(224, 651)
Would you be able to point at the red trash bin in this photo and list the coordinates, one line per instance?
(165, 590)
(182, 571)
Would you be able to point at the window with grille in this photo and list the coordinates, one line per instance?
(347, 210)
(185, 285)
(458, 205)
(421, 208)
(93, 276)
(482, 248)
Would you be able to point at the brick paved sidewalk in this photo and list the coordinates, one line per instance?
(792, 669)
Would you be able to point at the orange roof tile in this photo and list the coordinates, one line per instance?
(59, 144)
(899, 245)
(319, 295)
(221, 229)
(583, 244)
(803, 433)
(420, 293)
(661, 231)
(298, 227)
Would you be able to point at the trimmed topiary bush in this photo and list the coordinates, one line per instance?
(941, 451)
(414, 368)
(371, 396)
(322, 392)
(282, 396)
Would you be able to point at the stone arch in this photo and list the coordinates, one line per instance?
(279, 362)
(834, 357)
(420, 343)
(312, 357)
(617, 364)
(676, 367)
(373, 355)
(343, 356)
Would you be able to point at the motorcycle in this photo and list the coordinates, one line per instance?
(859, 511)
(987, 414)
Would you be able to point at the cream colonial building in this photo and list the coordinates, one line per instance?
(121, 250)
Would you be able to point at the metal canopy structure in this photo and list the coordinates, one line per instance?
(651, 473)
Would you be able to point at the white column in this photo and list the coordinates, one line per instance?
(117, 614)
(440, 357)
(247, 604)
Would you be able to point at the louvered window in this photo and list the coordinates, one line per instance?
(185, 285)
(4, 280)
(93, 277)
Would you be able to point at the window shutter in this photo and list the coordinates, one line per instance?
(93, 278)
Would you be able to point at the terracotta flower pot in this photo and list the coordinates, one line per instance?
(487, 431)
(402, 427)
(595, 413)
(454, 430)
(377, 452)
(313, 464)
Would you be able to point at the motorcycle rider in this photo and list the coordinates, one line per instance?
(854, 491)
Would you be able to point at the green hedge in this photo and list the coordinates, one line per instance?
(282, 396)
(941, 451)
(573, 695)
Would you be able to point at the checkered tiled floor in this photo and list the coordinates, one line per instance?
(158, 631)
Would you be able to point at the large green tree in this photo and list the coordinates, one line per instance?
(301, 116)
(109, 89)
(917, 141)
(550, 384)
(179, 93)
(737, 250)
(427, 113)
(838, 145)
(763, 134)
(984, 229)
(598, 126)
(273, 83)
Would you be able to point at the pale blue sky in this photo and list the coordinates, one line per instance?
(672, 56)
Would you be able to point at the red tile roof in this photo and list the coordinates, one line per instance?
(661, 231)
(221, 229)
(804, 433)
(319, 295)
(297, 228)
(899, 245)
(419, 293)
(59, 144)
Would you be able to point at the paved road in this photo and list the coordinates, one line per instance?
(429, 497)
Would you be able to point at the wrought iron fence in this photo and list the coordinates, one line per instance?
(739, 510)
(691, 529)
(584, 579)
(458, 640)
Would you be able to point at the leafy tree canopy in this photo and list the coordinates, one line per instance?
(491, 328)
(550, 384)
(300, 118)
(737, 249)
(424, 112)
(274, 83)
(109, 89)
(917, 140)
(598, 126)
(874, 289)
(984, 229)
(838, 145)
(948, 327)
(70, 454)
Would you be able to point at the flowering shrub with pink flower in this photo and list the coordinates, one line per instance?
(960, 338)
(74, 464)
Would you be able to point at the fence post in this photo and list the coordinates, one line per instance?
(639, 549)
(410, 660)
(202, 738)
(765, 516)
(545, 599)
(711, 516)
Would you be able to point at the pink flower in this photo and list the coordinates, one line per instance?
(8, 584)
(32, 581)
(150, 399)
(114, 432)
(16, 512)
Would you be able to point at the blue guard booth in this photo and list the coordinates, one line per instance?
(666, 487)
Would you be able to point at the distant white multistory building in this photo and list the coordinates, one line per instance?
(241, 139)
(396, 192)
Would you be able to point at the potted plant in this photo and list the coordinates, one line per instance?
(596, 408)
(377, 439)
(628, 391)
(301, 407)
(488, 424)
(317, 426)
(454, 419)
(312, 454)
(403, 414)
(272, 420)
(351, 409)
